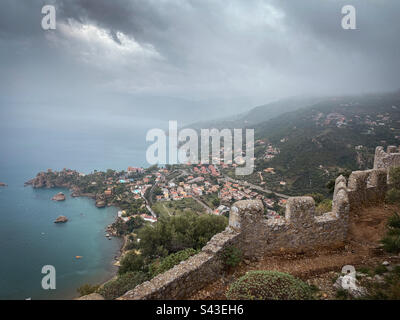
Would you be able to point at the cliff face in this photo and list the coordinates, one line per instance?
(49, 180)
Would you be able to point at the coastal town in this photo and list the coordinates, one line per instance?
(148, 193)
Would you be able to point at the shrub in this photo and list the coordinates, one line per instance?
(324, 206)
(132, 262)
(365, 270)
(391, 240)
(342, 294)
(318, 197)
(123, 283)
(380, 270)
(231, 257)
(389, 289)
(394, 221)
(170, 261)
(394, 176)
(269, 285)
(393, 196)
(87, 289)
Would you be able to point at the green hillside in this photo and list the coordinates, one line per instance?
(318, 142)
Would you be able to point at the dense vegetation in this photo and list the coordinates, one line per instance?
(123, 283)
(162, 245)
(160, 266)
(269, 285)
(231, 257)
(174, 233)
(316, 147)
(391, 240)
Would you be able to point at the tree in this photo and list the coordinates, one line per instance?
(216, 202)
(174, 233)
(87, 289)
(132, 262)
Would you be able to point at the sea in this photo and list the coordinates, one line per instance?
(29, 238)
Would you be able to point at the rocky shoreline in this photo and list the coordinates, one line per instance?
(42, 181)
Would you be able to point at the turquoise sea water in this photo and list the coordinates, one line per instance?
(29, 239)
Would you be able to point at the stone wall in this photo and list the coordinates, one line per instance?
(248, 230)
(387, 160)
(300, 229)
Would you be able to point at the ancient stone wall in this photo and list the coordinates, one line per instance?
(387, 160)
(300, 229)
(248, 230)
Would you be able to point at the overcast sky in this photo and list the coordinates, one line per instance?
(131, 57)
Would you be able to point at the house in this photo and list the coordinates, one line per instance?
(148, 218)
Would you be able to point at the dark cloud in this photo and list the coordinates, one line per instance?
(187, 55)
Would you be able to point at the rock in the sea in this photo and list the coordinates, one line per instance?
(61, 219)
(59, 197)
(2, 184)
(100, 204)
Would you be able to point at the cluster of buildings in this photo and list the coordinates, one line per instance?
(191, 186)
(234, 192)
(270, 205)
(271, 152)
(204, 169)
(340, 120)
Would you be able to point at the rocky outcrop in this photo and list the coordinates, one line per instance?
(52, 179)
(61, 219)
(59, 197)
(100, 201)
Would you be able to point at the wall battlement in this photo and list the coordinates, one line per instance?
(300, 229)
(387, 160)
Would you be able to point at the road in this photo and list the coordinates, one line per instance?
(147, 205)
(253, 186)
(205, 206)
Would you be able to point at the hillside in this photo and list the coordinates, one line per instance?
(310, 146)
(259, 114)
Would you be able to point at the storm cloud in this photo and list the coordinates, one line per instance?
(131, 57)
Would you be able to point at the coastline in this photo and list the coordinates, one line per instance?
(121, 250)
(114, 263)
(117, 259)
